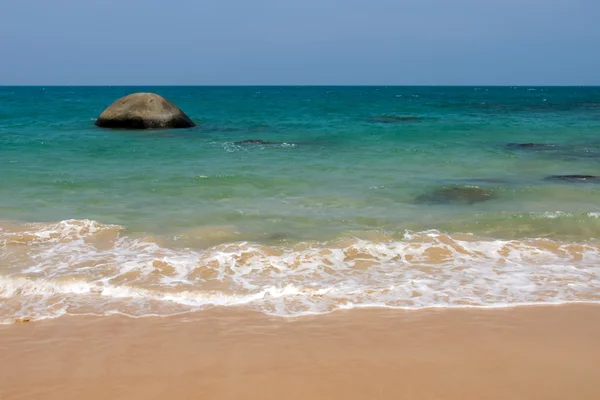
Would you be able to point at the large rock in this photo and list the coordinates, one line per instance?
(143, 111)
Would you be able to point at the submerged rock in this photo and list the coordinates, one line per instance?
(279, 236)
(393, 119)
(143, 111)
(456, 195)
(256, 141)
(558, 151)
(531, 146)
(574, 178)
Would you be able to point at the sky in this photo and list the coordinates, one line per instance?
(292, 42)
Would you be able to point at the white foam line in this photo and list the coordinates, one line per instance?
(11, 320)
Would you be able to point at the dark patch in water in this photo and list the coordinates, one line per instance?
(563, 151)
(393, 119)
(257, 141)
(574, 178)
(455, 195)
(531, 146)
(279, 236)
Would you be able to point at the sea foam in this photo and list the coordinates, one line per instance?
(85, 267)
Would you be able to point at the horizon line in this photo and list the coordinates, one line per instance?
(292, 85)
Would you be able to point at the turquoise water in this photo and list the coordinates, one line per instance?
(337, 172)
(194, 199)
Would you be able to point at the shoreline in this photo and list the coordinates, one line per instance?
(297, 317)
(531, 352)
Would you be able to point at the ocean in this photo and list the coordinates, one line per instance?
(293, 201)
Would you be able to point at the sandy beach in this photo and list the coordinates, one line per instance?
(546, 352)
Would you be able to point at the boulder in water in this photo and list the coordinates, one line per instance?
(456, 195)
(574, 178)
(143, 111)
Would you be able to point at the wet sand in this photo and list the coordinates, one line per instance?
(519, 353)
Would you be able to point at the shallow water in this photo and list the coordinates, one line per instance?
(161, 222)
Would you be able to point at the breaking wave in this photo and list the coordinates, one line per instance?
(86, 267)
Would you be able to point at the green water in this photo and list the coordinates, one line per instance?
(339, 172)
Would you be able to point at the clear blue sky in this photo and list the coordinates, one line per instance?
(251, 42)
